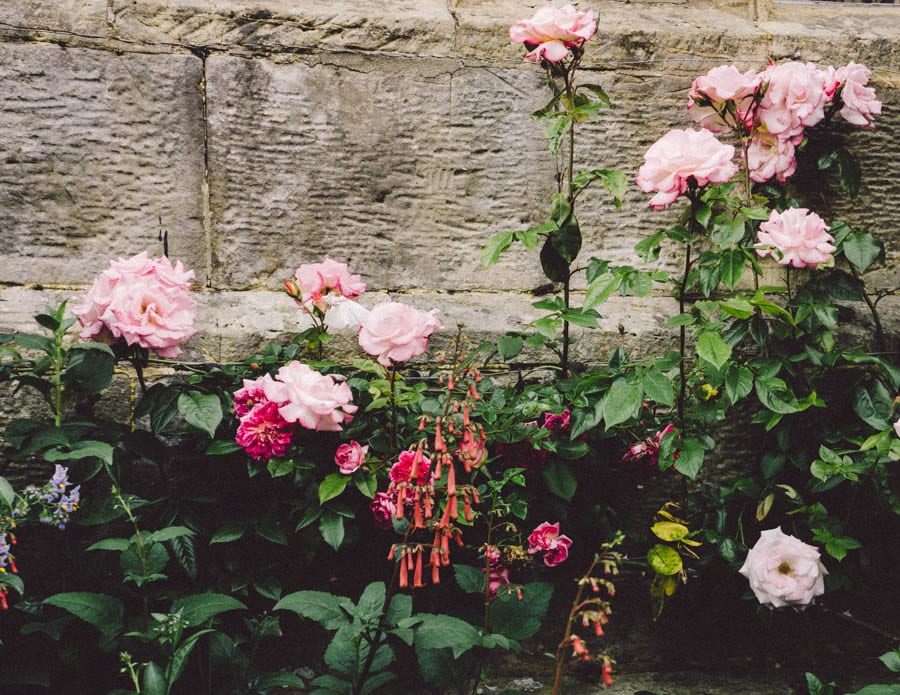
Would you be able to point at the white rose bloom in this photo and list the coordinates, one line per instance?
(784, 571)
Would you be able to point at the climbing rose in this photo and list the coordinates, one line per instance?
(552, 31)
(799, 236)
(546, 539)
(349, 457)
(710, 94)
(768, 156)
(141, 301)
(315, 401)
(316, 280)
(395, 332)
(860, 105)
(794, 99)
(681, 155)
(383, 508)
(263, 433)
(784, 571)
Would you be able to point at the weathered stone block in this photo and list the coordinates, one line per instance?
(100, 149)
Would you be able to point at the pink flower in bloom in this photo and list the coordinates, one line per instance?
(315, 401)
(784, 571)
(795, 99)
(552, 31)
(263, 433)
(681, 155)
(251, 394)
(768, 156)
(710, 94)
(395, 332)
(557, 423)
(142, 301)
(401, 470)
(546, 539)
(315, 280)
(800, 238)
(648, 448)
(859, 103)
(343, 314)
(350, 457)
(383, 508)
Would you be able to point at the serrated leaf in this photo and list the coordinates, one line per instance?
(201, 410)
(470, 579)
(520, 620)
(438, 631)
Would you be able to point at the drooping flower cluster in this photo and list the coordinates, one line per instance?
(648, 449)
(784, 571)
(552, 32)
(141, 301)
(325, 291)
(546, 539)
(796, 237)
(269, 407)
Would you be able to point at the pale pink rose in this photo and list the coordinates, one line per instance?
(251, 394)
(141, 301)
(343, 314)
(315, 401)
(350, 456)
(263, 433)
(315, 280)
(799, 236)
(859, 103)
(784, 571)
(552, 31)
(724, 98)
(383, 507)
(402, 469)
(795, 98)
(770, 156)
(546, 539)
(829, 76)
(395, 332)
(681, 155)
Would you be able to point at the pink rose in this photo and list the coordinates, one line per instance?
(552, 31)
(315, 280)
(799, 236)
(394, 332)
(546, 539)
(649, 448)
(770, 155)
(401, 470)
(315, 401)
(558, 423)
(724, 98)
(795, 99)
(784, 571)
(263, 433)
(141, 301)
(350, 457)
(383, 509)
(859, 103)
(681, 155)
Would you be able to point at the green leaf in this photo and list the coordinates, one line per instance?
(567, 239)
(775, 395)
(376, 681)
(871, 408)
(690, 459)
(199, 608)
(331, 526)
(728, 233)
(622, 403)
(201, 410)
(878, 689)
(179, 659)
(658, 387)
(509, 346)
(648, 249)
(470, 579)
(222, 448)
(601, 288)
(169, 532)
(34, 342)
(849, 172)
(554, 266)
(115, 544)
(7, 494)
(862, 250)
(331, 685)
(278, 467)
(560, 479)
(104, 612)
(82, 450)
(371, 603)
(664, 560)
(738, 383)
(519, 620)
(229, 533)
(328, 610)
(891, 660)
(91, 370)
(495, 246)
(669, 531)
(153, 680)
(713, 349)
(731, 267)
(332, 486)
(438, 631)
(737, 307)
(366, 483)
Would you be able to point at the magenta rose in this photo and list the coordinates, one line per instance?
(263, 433)
(552, 31)
(251, 394)
(315, 401)
(395, 332)
(383, 509)
(546, 539)
(558, 423)
(796, 237)
(349, 457)
(681, 155)
(794, 99)
(770, 156)
(401, 470)
(859, 103)
(724, 98)
(140, 301)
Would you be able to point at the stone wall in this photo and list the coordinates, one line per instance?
(394, 136)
